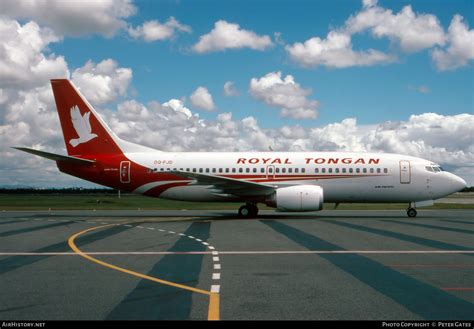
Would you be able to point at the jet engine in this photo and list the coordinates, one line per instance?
(297, 198)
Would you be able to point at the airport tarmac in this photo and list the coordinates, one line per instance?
(153, 265)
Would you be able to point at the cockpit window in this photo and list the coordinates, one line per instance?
(434, 168)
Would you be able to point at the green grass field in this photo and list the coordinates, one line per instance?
(109, 202)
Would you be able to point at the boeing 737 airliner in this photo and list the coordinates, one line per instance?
(288, 181)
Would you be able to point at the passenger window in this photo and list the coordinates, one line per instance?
(323, 170)
(270, 170)
(226, 170)
(303, 170)
(343, 170)
(241, 169)
(283, 170)
(254, 169)
(213, 170)
(207, 170)
(233, 170)
(351, 170)
(290, 170)
(262, 170)
(330, 170)
(385, 170)
(357, 170)
(247, 169)
(378, 170)
(364, 170)
(220, 170)
(187, 169)
(371, 170)
(277, 170)
(200, 169)
(316, 170)
(194, 169)
(336, 170)
(296, 170)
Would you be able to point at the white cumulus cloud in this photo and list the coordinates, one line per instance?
(230, 90)
(24, 60)
(230, 36)
(285, 94)
(202, 99)
(460, 48)
(335, 51)
(413, 32)
(154, 30)
(74, 18)
(102, 82)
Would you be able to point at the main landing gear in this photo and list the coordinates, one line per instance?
(250, 210)
(411, 212)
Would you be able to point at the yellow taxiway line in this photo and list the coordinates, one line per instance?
(214, 300)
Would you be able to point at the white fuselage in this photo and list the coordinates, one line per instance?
(344, 176)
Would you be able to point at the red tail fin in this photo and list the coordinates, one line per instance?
(84, 130)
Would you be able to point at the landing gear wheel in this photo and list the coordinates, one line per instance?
(248, 211)
(253, 210)
(244, 211)
(411, 212)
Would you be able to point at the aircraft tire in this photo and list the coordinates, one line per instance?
(248, 211)
(411, 212)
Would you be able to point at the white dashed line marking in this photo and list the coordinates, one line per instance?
(215, 276)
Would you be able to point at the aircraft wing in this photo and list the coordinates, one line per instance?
(223, 185)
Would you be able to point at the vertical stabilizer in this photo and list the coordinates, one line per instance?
(85, 133)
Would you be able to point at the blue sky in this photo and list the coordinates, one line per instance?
(169, 69)
(365, 75)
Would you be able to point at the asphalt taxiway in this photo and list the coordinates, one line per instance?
(154, 265)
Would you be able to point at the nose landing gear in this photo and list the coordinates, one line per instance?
(411, 212)
(249, 210)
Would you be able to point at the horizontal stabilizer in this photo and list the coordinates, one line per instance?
(53, 156)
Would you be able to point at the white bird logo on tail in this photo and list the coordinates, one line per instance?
(82, 125)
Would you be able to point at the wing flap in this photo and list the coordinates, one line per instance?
(53, 156)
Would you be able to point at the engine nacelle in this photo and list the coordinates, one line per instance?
(297, 198)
